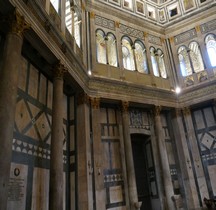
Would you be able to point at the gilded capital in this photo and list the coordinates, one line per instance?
(197, 28)
(157, 110)
(82, 98)
(117, 23)
(92, 15)
(17, 24)
(59, 70)
(95, 102)
(145, 34)
(178, 112)
(125, 106)
(186, 111)
(171, 39)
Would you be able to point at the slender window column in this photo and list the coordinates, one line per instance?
(134, 204)
(9, 75)
(167, 181)
(56, 157)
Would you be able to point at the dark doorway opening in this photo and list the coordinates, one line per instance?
(141, 145)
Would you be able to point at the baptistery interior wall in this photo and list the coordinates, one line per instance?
(29, 176)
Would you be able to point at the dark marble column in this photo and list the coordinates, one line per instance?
(9, 75)
(84, 155)
(98, 150)
(56, 158)
(167, 181)
(134, 204)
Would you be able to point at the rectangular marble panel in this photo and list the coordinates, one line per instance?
(209, 115)
(199, 119)
(115, 154)
(50, 95)
(17, 187)
(23, 73)
(40, 189)
(72, 190)
(106, 157)
(42, 89)
(111, 115)
(115, 194)
(212, 172)
(71, 108)
(103, 116)
(33, 82)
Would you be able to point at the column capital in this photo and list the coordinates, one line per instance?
(171, 39)
(92, 15)
(125, 106)
(82, 98)
(117, 24)
(157, 110)
(95, 102)
(59, 70)
(177, 112)
(197, 28)
(16, 23)
(186, 111)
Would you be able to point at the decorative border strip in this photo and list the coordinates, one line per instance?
(104, 22)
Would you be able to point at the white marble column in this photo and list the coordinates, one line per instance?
(9, 74)
(56, 157)
(167, 180)
(134, 204)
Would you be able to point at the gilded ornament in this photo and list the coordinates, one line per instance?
(125, 106)
(186, 111)
(95, 102)
(59, 70)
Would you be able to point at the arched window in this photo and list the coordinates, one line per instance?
(56, 4)
(184, 61)
(196, 57)
(161, 63)
(154, 61)
(211, 48)
(127, 52)
(101, 47)
(141, 59)
(111, 50)
(77, 24)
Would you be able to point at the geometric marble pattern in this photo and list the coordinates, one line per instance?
(209, 26)
(104, 22)
(131, 31)
(113, 178)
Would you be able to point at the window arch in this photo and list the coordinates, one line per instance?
(154, 61)
(161, 63)
(141, 58)
(211, 48)
(101, 47)
(127, 52)
(196, 57)
(111, 50)
(184, 61)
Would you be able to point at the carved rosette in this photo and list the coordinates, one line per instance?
(186, 111)
(17, 24)
(83, 98)
(157, 110)
(59, 70)
(125, 106)
(95, 102)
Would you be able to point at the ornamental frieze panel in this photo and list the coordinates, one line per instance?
(154, 39)
(131, 31)
(188, 35)
(209, 26)
(104, 22)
